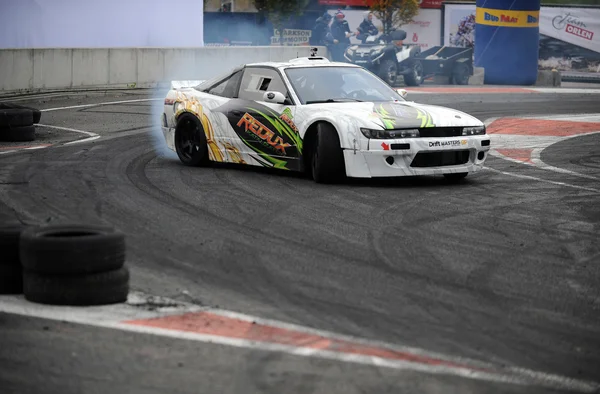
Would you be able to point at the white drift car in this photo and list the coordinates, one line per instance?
(328, 119)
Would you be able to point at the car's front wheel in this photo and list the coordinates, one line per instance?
(327, 158)
(190, 142)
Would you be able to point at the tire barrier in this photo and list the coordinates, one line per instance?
(74, 265)
(17, 122)
(11, 278)
(507, 41)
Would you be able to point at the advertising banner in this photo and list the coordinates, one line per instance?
(578, 26)
(425, 30)
(569, 37)
(291, 37)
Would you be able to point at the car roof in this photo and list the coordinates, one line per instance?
(303, 62)
(300, 62)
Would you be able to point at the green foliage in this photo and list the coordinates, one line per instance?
(394, 13)
(280, 12)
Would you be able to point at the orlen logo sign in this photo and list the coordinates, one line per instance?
(579, 32)
(572, 25)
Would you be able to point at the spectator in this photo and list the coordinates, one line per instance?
(321, 33)
(340, 30)
(367, 28)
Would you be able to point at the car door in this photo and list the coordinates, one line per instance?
(224, 145)
(266, 128)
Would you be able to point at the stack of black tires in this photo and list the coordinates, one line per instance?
(17, 123)
(64, 264)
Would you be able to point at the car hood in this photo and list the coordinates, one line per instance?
(399, 115)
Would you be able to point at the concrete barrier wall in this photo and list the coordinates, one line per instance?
(31, 70)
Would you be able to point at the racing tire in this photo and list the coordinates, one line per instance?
(388, 71)
(11, 279)
(456, 176)
(17, 134)
(103, 288)
(37, 114)
(461, 74)
(10, 235)
(190, 142)
(415, 77)
(71, 249)
(15, 117)
(327, 158)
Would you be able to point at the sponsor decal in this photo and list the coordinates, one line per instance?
(507, 18)
(169, 101)
(255, 128)
(399, 116)
(435, 144)
(287, 117)
(579, 32)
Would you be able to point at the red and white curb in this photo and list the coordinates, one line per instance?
(165, 317)
(522, 139)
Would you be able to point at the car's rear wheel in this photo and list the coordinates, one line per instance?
(327, 158)
(190, 142)
(456, 176)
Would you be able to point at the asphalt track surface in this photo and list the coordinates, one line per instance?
(503, 267)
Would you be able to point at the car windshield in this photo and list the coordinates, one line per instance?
(339, 84)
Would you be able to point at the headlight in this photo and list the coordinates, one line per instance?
(390, 134)
(478, 130)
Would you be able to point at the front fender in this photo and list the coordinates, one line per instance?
(348, 128)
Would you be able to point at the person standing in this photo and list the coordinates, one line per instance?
(340, 30)
(321, 32)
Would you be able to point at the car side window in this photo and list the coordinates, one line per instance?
(227, 87)
(257, 81)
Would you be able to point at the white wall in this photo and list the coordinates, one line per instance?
(27, 70)
(101, 23)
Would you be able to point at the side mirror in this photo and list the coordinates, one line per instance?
(274, 97)
(402, 92)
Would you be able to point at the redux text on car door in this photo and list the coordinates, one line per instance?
(266, 127)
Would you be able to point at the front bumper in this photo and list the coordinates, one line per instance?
(417, 156)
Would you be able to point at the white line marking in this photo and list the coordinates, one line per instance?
(70, 129)
(92, 136)
(82, 141)
(589, 189)
(99, 104)
(115, 316)
(536, 159)
(8, 151)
